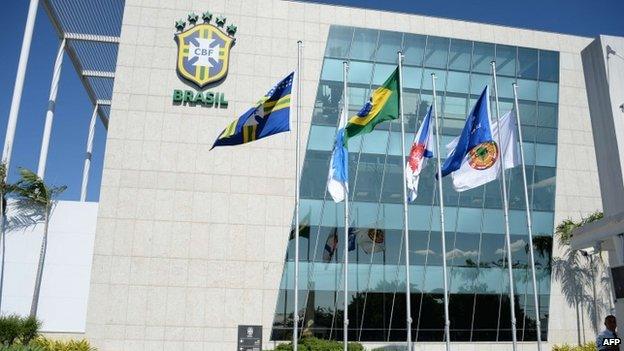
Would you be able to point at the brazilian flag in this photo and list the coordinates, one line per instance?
(382, 106)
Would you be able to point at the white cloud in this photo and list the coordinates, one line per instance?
(515, 246)
(457, 253)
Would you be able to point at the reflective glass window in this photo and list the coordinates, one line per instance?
(437, 52)
(506, 60)
(414, 48)
(364, 44)
(339, 41)
(459, 55)
(549, 66)
(527, 63)
(482, 55)
(548, 92)
(389, 45)
(360, 72)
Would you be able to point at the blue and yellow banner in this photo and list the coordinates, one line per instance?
(271, 115)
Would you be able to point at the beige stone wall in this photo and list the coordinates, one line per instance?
(191, 242)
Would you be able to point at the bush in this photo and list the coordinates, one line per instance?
(18, 330)
(315, 344)
(62, 345)
(590, 346)
(18, 347)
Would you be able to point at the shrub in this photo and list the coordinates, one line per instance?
(590, 346)
(46, 344)
(15, 329)
(19, 347)
(315, 344)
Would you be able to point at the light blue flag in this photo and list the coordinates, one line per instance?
(338, 177)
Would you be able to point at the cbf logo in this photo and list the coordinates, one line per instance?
(204, 49)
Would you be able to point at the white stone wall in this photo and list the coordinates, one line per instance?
(191, 242)
(67, 269)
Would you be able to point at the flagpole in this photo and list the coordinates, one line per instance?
(345, 321)
(297, 176)
(512, 304)
(408, 294)
(447, 321)
(528, 218)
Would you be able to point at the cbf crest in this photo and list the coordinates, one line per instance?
(204, 49)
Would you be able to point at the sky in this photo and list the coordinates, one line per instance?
(73, 109)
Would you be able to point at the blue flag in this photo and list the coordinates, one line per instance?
(477, 131)
(271, 115)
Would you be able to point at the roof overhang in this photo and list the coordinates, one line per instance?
(596, 232)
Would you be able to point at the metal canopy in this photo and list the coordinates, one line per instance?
(91, 30)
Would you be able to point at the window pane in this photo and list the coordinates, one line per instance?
(360, 72)
(527, 63)
(389, 45)
(482, 55)
(547, 115)
(527, 89)
(414, 47)
(549, 66)
(339, 41)
(458, 82)
(506, 60)
(548, 92)
(332, 70)
(478, 83)
(412, 77)
(459, 56)
(437, 52)
(364, 43)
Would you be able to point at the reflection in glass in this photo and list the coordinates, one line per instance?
(479, 303)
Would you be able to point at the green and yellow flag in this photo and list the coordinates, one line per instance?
(382, 106)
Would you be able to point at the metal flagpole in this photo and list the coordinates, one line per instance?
(408, 294)
(297, 174)
(512, 303)
(19, 85)
(528, 218)
(47, 130)
(89, 153)
(345, 319)
(447, 321)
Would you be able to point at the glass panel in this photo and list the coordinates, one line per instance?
(527, 63)
(548, 92)
(414, 47)
(339, 41)
(364, 44)
(459, 55)
(482, 55)
(549, 66)
(360, 72)
(437, 52)
(506, 60)
(458, 82)
(389, 45)
(475, 225)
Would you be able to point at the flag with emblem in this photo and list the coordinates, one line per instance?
(331, 244)
(474, 156)
(421, 150)
(383, 105)
(270, 115)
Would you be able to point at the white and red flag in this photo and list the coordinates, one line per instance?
(421, 150)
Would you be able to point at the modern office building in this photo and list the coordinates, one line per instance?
(191, 243)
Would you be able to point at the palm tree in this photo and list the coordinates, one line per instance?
(5, 188)
(33, 189)
(575, 270)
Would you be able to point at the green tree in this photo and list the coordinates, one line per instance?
(32, 189)
(576, 272)
(5, 189)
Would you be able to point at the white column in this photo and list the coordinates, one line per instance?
(19, 84)
(87, 162)
(47, 129)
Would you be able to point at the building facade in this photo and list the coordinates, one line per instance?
(193, 242)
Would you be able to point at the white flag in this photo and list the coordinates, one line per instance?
(420, 151)
(481, 164)
(338, 177)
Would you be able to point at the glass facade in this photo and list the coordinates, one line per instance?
(479, 300)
